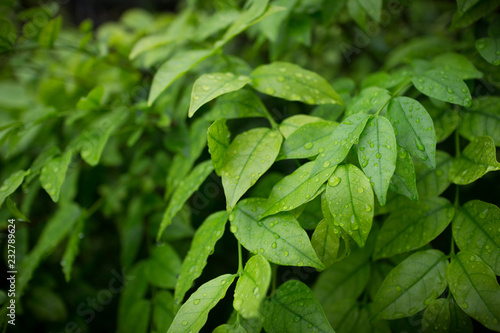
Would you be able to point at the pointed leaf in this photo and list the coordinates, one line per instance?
(489, 49)
(72, 249)
(475, 288)
(444, 316)
(53, 174)
(218, 136)
(477, 159)
(444, 86)
(294, 308)
(186, 188)
(377, 152)
(278, 238)
(326, 243)
(412, 285)
(50, 31)
(414, 129)
(11, 184)
(210, 86)
(251, 288)
(193, 314)
(350, 199)
(445, 120)
(243, 103)
(164, 265)
(247, 158)
(202, 245)
(475, 229)
(293, 83)
(457, 64)
(293, 123)
(403, 180)
(482, 119)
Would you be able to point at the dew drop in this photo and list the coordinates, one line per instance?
(483, 213)
(285, 253)
(334, 181)
(233, 229)
(273, 245)
(281, 78)
(308, 145)
(184, 323)
(270, 90)
(196, 301)
(378, 155)
(419, 144)
(326, 164)
(297, 319)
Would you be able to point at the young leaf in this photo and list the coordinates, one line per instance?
(247, 158)
(350, 200)
(457, 64)
(475, 229)
(412, 285)
(49, 32)
(163, 266)
(182, 193)
(293, 83)
(414, 129)
(218, 137)
(326, 243)
(11, 184)
(53, 174)
(443, 86)
(475, 288)
(413, 226)
(251, 288)
(444, 316)
(278, 238)
(403, 180)
(202, 245)
(193, 314)
(173, 69)
(482, 119)
(296, 189)
(293, 123)
(489, 49)
(377, 152)
(243, 103)
(72, 249)
(210, 86)
(477, 159)
(294, 308)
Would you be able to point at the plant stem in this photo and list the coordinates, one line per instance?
(274, 277)
(240, 259)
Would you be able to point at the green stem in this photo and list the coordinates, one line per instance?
(274, 278)
(240, 259)
(405, 85)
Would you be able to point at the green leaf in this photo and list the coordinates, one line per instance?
(357, 12)
(173, 69)
(11, 184)
(294, 308)
(444, 316)
(413, 226)
(443, 86)
(247, 158)
(243, 103)
(251, 288)
(475, 288)
(369, 100)
(412, 285)
(418, 48)
(186, 188)
(350, 200)
(278, 238)
(296, 189)
(226, 328)
(434, 182)
(445, 120)
(210, 86)
(465, 5)
(475, 229)
(482, 119)
(293, 83)
(215, 23)
(219, 137)
(308, 140)
(8, 34)
(326, 243)
(72, 249)
(16, 213)
(293, 123)
(457, 64)
(163, 266)
(342, 138)
(414, 129)
(377, 153)
(489, 49)
(93, 100)
(372, 8)
(163, 310)
(53, 174)
(194, 312)
(477, 159)
(202, 245)
(49, 33)
(403, 180)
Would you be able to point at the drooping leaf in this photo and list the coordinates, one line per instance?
(403, 180)
(209, 86)
(72, 249)
(444, 316)
(218, 137)
(413, 226)
(326, 243)
(369, 100)
(251, 288)
(243, 103)
(293, 83)
(11, 184)
(477, 159)
(350, 200)
(278, 238)
(475, 229)
(163, 266)
(53, 174)
(202, 245)
(294, 308)
(293, 123)
(412, 285)
(457, 64)
(377, 152)
(50, 32)
(482, 119)
(186, 188)
(247, 158)
(475, 288)
(414, 129)
(443, 86)
(489, 49)
(193, 314)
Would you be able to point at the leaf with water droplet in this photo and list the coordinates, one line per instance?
(192, 317)
(202, 245)
(326, 243)
(457, 64)
(475, 288)
(163, 266)
(243, 103)
(444, 316)
(218, 137)
(369, 100)
(304, 86)
(403, 180)
(11, 184)
(379, 154)
(475, 229)
(294, 308)
(293, 123)
(489, 49)
(251, 288)
(54, 173)
(411, 285)
(248, 157)
(445, 118)
(255, 235)
(482, 119)
(477, 159)
(210, 86)
(418, 138)
(348, 205)
(308, 140)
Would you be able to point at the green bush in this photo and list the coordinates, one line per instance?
(346, 185)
